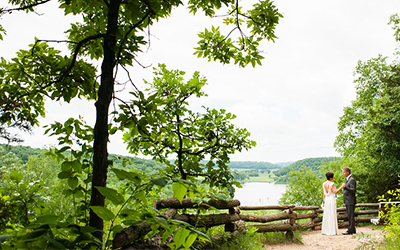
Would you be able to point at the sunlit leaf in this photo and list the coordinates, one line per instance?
(111, 194)
(103, 212)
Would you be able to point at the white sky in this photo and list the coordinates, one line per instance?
(291, 104)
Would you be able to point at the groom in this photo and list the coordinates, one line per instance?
(349, 197)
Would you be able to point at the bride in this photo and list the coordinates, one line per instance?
(329, 218)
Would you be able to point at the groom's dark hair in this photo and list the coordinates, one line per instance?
(347, 169)
(329, 175)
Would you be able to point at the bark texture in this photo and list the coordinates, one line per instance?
(106, 88)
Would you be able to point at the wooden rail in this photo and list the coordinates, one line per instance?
(296, 219)
(288, 218)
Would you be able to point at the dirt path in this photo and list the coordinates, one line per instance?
(315, 240)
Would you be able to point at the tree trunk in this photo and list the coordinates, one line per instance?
(100, 152)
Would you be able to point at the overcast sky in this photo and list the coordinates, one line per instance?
(291, 104)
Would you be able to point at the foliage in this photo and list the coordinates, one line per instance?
(304, 188)
(22, 152)
(171, 130)
(392, 218)
(20, 199)
(253, 240)
(314, 163)
(247, 241)
(129, 203)
(369, 130)
(305, 185)
(28, 189)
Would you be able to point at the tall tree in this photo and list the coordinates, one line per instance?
(369, 130)
(110, 31)
(172, 129)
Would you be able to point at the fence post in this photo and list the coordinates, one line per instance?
(230, 226)
(292, 220)
(313, 220)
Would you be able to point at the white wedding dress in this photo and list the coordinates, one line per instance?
(329, 218)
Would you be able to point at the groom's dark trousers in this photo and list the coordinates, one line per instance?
(349, 197)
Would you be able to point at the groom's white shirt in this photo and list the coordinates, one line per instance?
(347, 178)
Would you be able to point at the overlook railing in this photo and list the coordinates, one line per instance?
(286, 218)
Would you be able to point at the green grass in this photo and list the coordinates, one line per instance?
(251, 240)
(262, 178)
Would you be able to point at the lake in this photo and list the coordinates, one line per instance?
(259, 193)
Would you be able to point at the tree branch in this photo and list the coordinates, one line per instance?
(27, 7)
(79, 45)
(125, 38)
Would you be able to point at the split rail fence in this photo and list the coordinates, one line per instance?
(285, 218)
(288, 218)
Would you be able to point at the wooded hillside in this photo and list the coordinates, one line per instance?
(254, 165)
(23, 152)
(314, 163)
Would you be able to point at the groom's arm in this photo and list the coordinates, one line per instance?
(351, 186)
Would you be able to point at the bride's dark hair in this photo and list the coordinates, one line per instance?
(329, 175)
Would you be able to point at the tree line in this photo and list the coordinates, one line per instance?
(282, 175)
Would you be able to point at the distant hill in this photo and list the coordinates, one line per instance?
(22, 152)
(282, 168)
(314, 163)
(253, 165)
(284, 164)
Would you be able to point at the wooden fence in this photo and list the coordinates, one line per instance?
(293, 217)
(288, 218)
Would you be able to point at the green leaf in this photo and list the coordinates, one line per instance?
(180, 236)
(190, 240)
(112, 195)
(201, 234)
(179, 190)
(180, 223)
(103, 213)
(63, 149)
(125, 175)
(77, 166)
(66, 166)
(64, 175)
(47, 219)
(55, 243)
(117, 229)
(35, 233)
(160, 181)
(73, 182)
(16, 176)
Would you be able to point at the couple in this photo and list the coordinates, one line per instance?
(329, 218)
